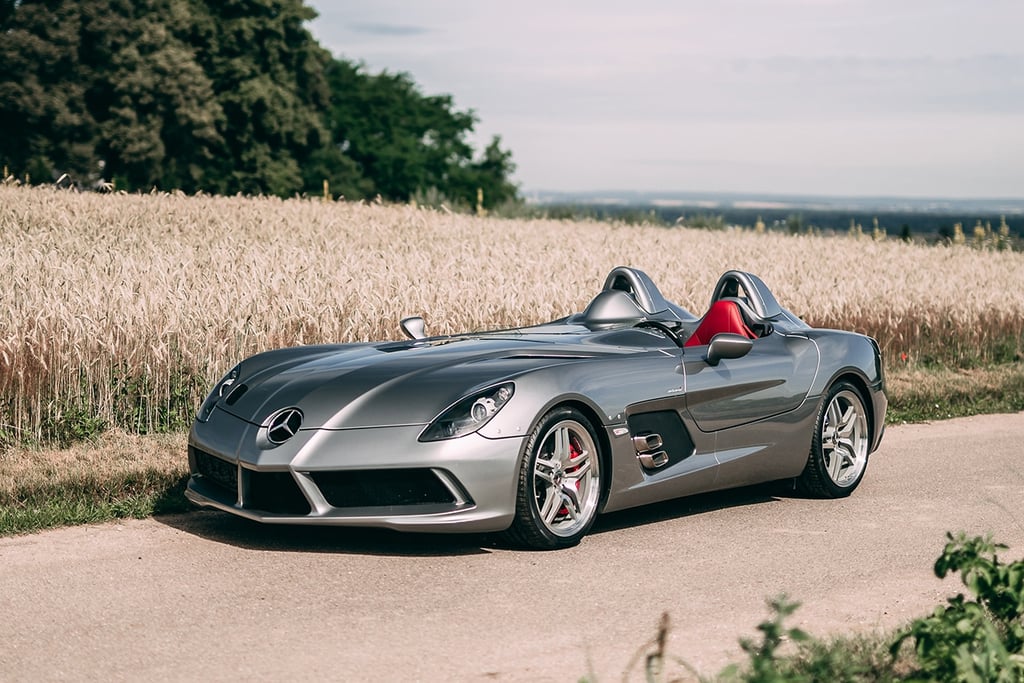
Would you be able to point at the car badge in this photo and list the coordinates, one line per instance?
(283, 425)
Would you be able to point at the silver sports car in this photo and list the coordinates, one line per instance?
(534, 431)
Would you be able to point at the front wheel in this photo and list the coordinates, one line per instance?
(559, 482)
(839, 449)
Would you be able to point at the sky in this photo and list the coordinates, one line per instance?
(915, 98)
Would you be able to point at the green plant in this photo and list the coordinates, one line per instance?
(766, 665)
(972, 640)
(969, 641)
(74, 423)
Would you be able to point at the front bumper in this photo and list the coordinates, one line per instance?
(376, 477)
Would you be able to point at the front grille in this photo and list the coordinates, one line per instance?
(274, 492)
(215, 470)
(374, 488)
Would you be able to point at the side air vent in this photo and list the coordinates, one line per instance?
(660, 439)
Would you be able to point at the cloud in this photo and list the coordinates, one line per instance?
(377, 29)
(616, 96)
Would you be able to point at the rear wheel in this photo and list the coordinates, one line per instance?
(559, 482)
(839, 449)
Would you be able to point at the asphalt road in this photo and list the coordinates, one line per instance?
(206, 596)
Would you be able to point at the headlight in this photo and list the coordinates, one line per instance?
(469, 414)
(220, 390)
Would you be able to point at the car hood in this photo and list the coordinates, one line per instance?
(374, 385)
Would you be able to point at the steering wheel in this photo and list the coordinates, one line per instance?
(658, 325)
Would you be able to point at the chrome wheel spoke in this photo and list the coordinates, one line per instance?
(544, 470)
(571, 498)
(580, 471)
(847, 423)
(834, 416)
(552, 504)
(835, 465)
(560, 453)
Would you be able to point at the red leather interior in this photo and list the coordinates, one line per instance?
(723, 316)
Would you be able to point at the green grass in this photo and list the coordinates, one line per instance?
(91, 499)
(922, 395)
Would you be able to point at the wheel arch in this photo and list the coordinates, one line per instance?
(861, 385)
(603, 442)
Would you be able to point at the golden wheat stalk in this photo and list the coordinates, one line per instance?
(122, 309)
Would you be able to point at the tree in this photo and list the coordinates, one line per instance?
(187, 94)
(268, 78)
(795, 223)
(48, 129)
(404, 141)
(102, 88)
(155, 107)
(225, 97)
(492, 174)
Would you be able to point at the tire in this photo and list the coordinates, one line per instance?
(559, 488)
(839, 447)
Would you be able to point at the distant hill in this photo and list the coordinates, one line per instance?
(727, 200)
(920, 217)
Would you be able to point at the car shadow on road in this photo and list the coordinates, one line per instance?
(220, 527)
(243, 533)
(679, 508)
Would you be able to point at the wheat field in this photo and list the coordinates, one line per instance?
(121, 310)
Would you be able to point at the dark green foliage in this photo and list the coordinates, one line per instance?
(842, 660)
(268, 77)
(43, 84)
(973, 640)
(103, 89)
(404, 142)
(76, 423)
(765, 664)
(795, 223)
(158, 118)
(491, 175)
(223, 97)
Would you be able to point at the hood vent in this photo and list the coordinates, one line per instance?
(236, 394)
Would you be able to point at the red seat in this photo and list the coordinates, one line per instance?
(723, 316)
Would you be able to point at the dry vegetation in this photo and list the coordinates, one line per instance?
(121, 310)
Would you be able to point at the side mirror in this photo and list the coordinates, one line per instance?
(727, 345)
(414, 327)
